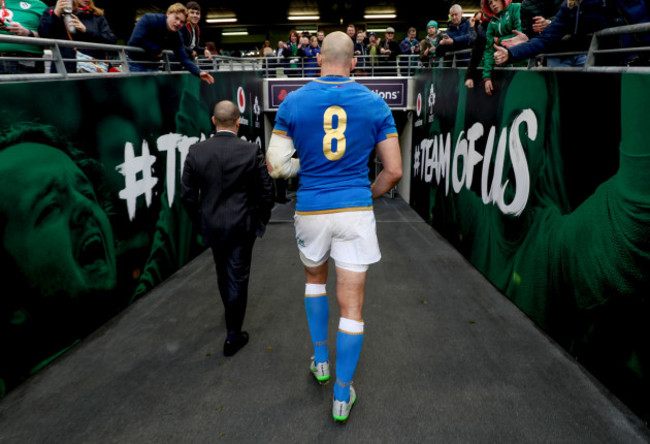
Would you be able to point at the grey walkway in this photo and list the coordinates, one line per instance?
(446, 359)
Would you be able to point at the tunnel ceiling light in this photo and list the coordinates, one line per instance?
(234, 33)
(304, 17)
(379, 16)
(221, 20)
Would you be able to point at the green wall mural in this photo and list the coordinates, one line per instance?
(90, 213)
(544, 187)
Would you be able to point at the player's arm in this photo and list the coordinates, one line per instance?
(279, 160)
(391, 159)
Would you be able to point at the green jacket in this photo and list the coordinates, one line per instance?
(501, 27)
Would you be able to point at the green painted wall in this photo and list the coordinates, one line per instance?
(544, 187)
(90, 213)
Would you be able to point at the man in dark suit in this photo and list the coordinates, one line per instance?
(227, 189)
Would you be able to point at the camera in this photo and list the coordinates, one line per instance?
(440, 36)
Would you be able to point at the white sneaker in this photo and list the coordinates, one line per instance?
(341, 409)
(321, 371)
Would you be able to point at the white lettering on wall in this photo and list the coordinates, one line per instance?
(142, 165)
(432, 158)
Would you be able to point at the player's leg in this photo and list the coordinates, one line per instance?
(350, 294)
(317, 309)
(354, 247)
(313, 245)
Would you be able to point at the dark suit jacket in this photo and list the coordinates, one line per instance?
(227, 187)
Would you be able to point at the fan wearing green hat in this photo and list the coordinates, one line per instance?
(429, 43)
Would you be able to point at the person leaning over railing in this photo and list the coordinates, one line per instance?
(20, 17)
(572, 28)
(157, 32)
(86, 20)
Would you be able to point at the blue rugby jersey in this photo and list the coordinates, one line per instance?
(335, 124)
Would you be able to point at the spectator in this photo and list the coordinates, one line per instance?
(504, 20)
(191, 31)
(89, 24)
(429, 43)
(361, 53)
(210, 50)
(351, 30)
(410, 47)
(292, 53)
(536, 15)
(478, 27)
(410, 44)
(311, 64)
(572, 28)
(280, 48)
(457, 37)
(389, 48)
(321, 36)
(206, 60)
(266, 50)
(17, 20)
(156, 32)
(373, 49)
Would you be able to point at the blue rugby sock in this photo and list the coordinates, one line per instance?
(348, 348)
(318, 313)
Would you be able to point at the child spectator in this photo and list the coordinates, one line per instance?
(429, 43)
(504, 19)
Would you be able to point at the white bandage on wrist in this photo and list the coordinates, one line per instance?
(279, 157)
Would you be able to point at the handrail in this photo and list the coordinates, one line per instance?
(377, 65)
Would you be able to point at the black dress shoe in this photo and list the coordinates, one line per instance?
(232, 346)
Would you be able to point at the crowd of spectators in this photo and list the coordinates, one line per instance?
(502, 33)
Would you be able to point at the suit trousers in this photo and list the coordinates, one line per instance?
(233, 263)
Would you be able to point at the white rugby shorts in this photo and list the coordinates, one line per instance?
(349, 237)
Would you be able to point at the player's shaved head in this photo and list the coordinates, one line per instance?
(337, 49)
(226, 114)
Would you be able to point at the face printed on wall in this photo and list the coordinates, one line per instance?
(56, 232)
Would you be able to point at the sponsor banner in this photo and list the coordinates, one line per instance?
(95, 165)
(544, 188)
(393, 91)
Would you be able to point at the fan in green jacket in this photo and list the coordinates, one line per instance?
(504, 20)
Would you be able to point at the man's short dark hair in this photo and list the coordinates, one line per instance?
(193, 5)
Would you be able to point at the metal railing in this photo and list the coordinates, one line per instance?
(403, 65)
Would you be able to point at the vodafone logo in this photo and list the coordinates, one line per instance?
(241, 99)
(418, 106)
